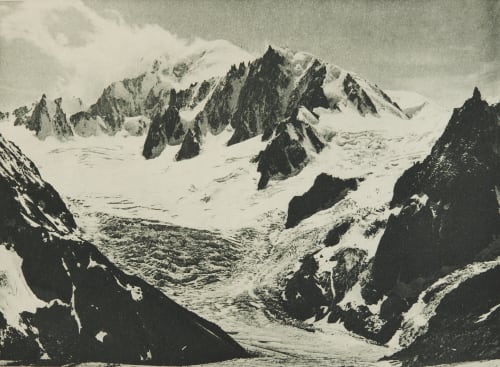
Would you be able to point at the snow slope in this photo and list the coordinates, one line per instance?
(111, 174)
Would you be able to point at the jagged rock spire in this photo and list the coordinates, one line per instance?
(476, 94)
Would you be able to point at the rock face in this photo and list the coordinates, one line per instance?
(120, 99)
(260, 103)
(438, 251)
(324, 193)
(221, 105)
(449, 202)
(455, 334)
(190, 146)
(350, 263)
(48, 119)
(333, 236)
(4, 115)
(85, 124)
(21, 114)
(166, 128)
(358, 96)
(193, 75)
(309, 293)
(309, 90)
(304, 296)
(291, 148)
(449, 218)
(62, 300)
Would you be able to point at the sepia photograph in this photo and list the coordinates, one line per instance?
(250, 183)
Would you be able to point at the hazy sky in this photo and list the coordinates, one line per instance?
(438, 48)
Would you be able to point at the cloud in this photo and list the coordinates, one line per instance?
(93, 50)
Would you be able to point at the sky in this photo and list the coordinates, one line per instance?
(438, 48)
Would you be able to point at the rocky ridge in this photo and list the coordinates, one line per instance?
(439, 249)
(253, 99)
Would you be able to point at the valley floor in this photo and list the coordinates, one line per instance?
(193, 267)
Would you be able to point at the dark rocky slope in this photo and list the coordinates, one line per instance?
(221, 105)
(304, 296)
(323, 194)
(166, 128)
(190, 146)
(21, 114)
(309, 294)
(260, 102)
(293, 143)
(309, 90)
(449, 206)
(465, 327)
(358, 96)
(71, 303)
(449, 218)
(434, 277)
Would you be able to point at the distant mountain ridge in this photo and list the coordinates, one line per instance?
(253, 99)
(182, 102)
(283, 78)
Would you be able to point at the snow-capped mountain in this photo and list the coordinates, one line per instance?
(62, 301)
(254, 98)
(311, 170)
(148, 93)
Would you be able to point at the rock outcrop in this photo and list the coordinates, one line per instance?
(309, 89)
(439, 249)
(21, 115)
(358, 97)
(166, 129)
(304, 296)
(48, 119)
(64, 302)
(85, 124)
(293, 144)
(449, 202)
(120, 100)
(323, 194)
(462, 315)
(190, 146)
(220, 107)
(310, 293)
(334, 235)
(260, 102)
